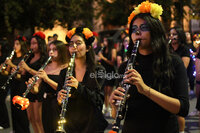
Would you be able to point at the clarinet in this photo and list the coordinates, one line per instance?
(9, 57)
(100, 51)
(169, 42)
(22, 102)
(62, 120)
(25, 58)
(102, 48)
(30, 86)
(121, 110)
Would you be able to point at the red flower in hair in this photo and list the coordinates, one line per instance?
(40, 34)
(95, 34)
(21, 38)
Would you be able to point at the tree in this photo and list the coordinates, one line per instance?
(117, 12)
(28, 14)
(195, 9)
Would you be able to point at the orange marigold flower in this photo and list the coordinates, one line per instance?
(131, 17)
(145, 7)
(87, 32)
(71, 33)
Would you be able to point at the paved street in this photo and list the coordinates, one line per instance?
(192, 123)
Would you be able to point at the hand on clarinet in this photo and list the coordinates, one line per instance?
(100, 55)
(62, 94)
(73, 82)
(42, 74)
(116, 95)
(134, 78)
(23, 65)
(35, 88)
(13, 69)
(9, 62)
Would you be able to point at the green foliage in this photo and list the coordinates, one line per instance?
(117, 12)
(27, 14)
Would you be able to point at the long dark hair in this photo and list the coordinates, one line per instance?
(181, 35)
(110, 46)
(42, 47)
(63, 54)
(23, 43)
(162, 66)
(90, 55)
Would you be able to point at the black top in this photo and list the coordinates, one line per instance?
(2, 58)
(144, 115)
(46, 87)
(36, 66)
(110, 69)
(84, 107)
(183, 51)
(50, 108)
(123, 54)
(191, 46)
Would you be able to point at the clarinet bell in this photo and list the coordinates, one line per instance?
(60, 128)
(18, 76)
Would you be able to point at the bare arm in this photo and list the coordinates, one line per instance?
(43, 75)
(113, 58)
(186, 61)
(52, 83)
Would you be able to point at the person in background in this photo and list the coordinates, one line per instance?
(30, 68)
(118, 46)
(122, 54)
(196, 42)
(96, 46)
(4, 121)
(158, 90)
(48, 83)
(107, 58)
(85, 102)
(50, 39)
(55, 36)
(179, 47)
(191, 66)
(19, 117)
(197, 66)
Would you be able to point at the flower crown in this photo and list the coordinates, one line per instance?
(86, 32)
(40, 35)
(196, 35)
(21, 38)
(146, 7)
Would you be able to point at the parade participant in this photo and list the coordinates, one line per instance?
(107, 58)
(158, 90)
(83, 109)
(20, 121)
(30, 67)
(4, 121)
(48, 82)
(179, 46)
